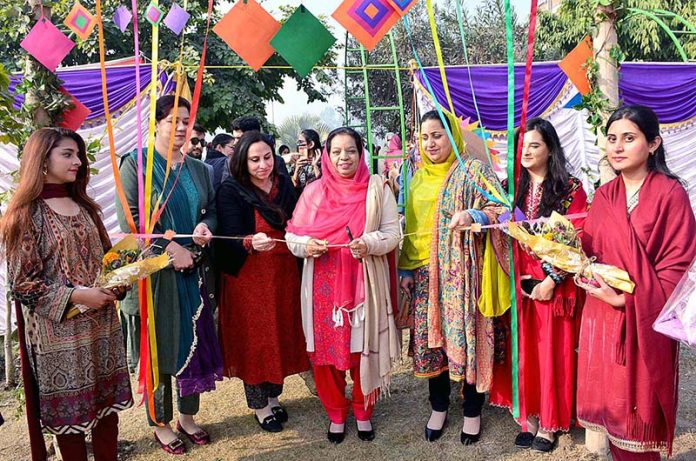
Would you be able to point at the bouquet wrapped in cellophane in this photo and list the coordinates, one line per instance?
(126, 263)
(556, 242)
(678, 318)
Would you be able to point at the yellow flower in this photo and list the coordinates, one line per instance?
(109, 258)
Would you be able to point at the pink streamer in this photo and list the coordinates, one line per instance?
(138, 118)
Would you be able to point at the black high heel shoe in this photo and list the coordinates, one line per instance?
(366, 436)
(336, 437)
(470, 439)
(432, 435)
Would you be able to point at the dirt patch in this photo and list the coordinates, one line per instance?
(398, 422)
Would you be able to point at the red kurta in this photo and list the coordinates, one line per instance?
(260, 319)
(627, 372)
(548, 336)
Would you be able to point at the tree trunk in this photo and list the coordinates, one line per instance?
(41, 117)
(608, 79)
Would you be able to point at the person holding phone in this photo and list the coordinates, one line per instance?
(305, 166)
(549, 311)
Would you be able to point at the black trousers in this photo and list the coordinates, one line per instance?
(257, 395)
(440, 388)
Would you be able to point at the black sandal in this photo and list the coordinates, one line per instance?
(269, 424)
(280, 413)
(524, 440)
(544, 445)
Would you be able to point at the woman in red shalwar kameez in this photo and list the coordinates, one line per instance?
(641, 222)
(260, 323)
(549, 310)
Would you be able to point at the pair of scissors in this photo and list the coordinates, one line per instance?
(350, 236)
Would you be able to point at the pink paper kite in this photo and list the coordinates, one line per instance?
(176, 19)
(122, 17)
(47, 44)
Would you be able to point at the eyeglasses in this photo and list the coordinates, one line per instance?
(195, 141)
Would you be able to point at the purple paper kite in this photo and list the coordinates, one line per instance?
(47, 44)
(176, 19)
(122, 17)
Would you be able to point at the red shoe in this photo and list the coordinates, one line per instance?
(199, 438)
(175, 447)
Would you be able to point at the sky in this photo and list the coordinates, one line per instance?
(294, 99)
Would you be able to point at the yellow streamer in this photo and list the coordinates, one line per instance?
(438, 53)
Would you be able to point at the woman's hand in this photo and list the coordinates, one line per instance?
(94, 298)
(358, 248)
(407, 283)
(461, 220)
(606, 293)
(543, 291)
(262, 242)
(204, 236)
(316, 248)
(182, 259)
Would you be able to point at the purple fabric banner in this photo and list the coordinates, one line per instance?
(85, 85)
(666, 88)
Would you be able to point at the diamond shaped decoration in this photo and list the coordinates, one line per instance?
(75, 117)
(154, 14)
(176, 19)
(248, 29)
(80, 21)
(302, 41)
(47, 44)
(122, 17)
(402, 6)
(367, 20)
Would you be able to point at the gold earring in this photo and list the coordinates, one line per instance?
(45, 171)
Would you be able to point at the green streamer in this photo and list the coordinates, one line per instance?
(511, 197)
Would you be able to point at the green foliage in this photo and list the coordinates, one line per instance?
(291, 126)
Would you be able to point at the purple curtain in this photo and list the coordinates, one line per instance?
(85, 85)
(666, 88)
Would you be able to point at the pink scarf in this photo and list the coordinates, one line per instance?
(325, 208)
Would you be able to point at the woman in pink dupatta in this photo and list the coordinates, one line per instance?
(641, 222)
(344, 226)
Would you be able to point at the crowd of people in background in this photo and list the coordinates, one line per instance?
(302, 261)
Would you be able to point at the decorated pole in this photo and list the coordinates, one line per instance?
(608, 76)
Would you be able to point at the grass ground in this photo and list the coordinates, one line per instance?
(398, 422)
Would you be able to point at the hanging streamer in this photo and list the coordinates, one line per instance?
(438, 54)
(460, 20)
(497, 197)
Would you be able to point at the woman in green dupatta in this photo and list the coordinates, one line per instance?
(440, 267)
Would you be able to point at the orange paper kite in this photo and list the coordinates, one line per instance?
(248, 30)
(573, 65)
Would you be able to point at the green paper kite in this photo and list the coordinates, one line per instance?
(302, 41)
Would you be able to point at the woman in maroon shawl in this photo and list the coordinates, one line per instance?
(641, 222)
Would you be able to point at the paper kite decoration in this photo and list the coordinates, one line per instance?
(154, 14)
(80, 21)
(122, 17)
(573, 65)
(176, 19)
(402, 6)
(302, 41)
(367, 20)
(47, 44)
(75, 117)
(248, 29)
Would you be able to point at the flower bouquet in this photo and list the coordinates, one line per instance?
(678, 318)
(556, 242)
(124, 264)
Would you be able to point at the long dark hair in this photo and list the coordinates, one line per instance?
(313, 136)
(17, 219)
(556, 185)
(434, 115)
(646, 120)
(350, 132)
(221, 140)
